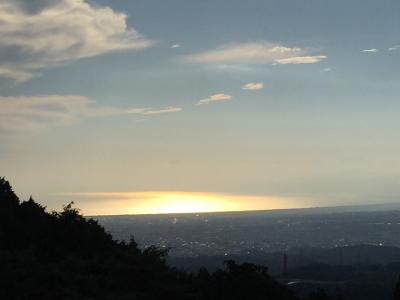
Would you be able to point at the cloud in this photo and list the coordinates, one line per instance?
(372, 50)
(394, 48)
(252, 86)
(300, 60)
(35, 113)
(19, 76)
(170, 109)
(255, 53)
(175, 46)
(215, 98)
(36, 34)
(326, 69)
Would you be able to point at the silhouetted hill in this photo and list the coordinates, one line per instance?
(66, 256)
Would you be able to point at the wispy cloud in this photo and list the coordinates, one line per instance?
(394, 48)
(301, 60)
(17, 75)
(39, 34)
(252, 86)
(175, 46)
(372, 50)
(255, 53)
(35, 113)
(170, 109)
(327, 69)
(215, 98)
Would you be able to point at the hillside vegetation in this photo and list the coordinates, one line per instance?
(62, 255)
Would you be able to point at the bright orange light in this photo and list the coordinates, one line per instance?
(185, 203)
(176, 202)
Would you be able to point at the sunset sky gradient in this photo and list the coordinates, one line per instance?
(170, 106)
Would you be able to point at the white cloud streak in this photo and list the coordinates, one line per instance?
(215, 98)
(394, 48)
(300, 60)
(169, 109)
(175, 46)
(253, 86)
(372, 50)
(42, 33)
(35, 113)
(255, 53)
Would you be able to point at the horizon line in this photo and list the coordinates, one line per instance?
(247, 211)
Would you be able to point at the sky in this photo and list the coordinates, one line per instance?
(170, 106)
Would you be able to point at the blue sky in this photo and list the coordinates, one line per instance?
(297, 99)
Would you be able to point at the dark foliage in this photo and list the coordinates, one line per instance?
(396, 295)
(66, 256)
(240, 281)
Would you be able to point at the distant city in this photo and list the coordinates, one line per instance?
(259, 233)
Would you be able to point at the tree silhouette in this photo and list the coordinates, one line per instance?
(396, 295)
(63, 255)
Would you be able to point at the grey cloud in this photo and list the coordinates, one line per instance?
(34, 6)
(36, 113)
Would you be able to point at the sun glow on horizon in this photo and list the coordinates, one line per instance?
(175, 202)
(166, 203)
